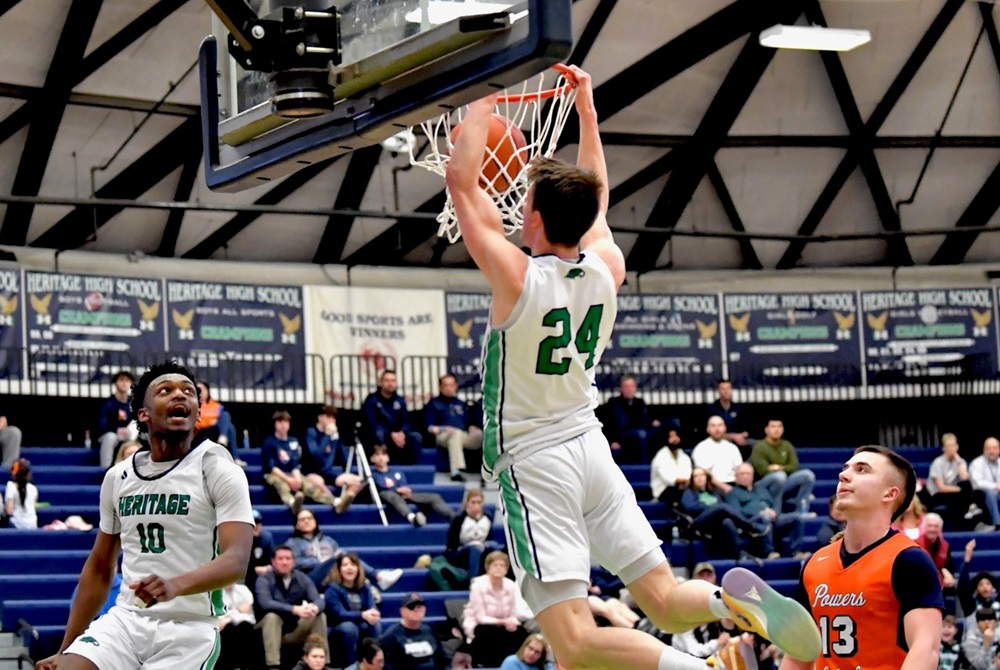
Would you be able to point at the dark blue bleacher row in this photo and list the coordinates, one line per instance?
(39, 569)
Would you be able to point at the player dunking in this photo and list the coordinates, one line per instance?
(182, 518)
(874, 594)
(562, 495)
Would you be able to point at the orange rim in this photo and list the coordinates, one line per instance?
(515, 98)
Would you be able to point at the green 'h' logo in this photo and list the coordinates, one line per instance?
(574, 273)
(90, 640)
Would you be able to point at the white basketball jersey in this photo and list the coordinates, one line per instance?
(538, 366)
(167, 514)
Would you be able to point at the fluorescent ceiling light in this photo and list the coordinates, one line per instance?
(444, 11)
(814, 38)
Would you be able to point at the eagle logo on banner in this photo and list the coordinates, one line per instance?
(706, 332)
(877, 324)
(183, 323)
(41, 307)
(149, 313)
(289, 326)
(982, 321)
(7, 309)
(463, 333)
(741, 325)
(845, 322)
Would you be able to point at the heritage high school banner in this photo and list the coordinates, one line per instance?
(793, 339)
(382, 326)
(468, 314)
(262, 325)
(102, 322)
(11, 324)
(929, 335)
(666, 341)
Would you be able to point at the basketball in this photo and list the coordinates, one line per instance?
(504, 157)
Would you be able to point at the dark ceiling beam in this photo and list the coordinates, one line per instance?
(399, 239)
(750, 259)
(185, 185)
(80, 225)
(898, 254)
(22, 92)
(96, 59)
(699, 152)
(45, 120)
(881, 112)
(221, 236)
(955, 246)
(591, 31)
(352, 191)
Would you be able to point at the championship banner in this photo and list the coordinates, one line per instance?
(362, 331)
(11, 324)
(668, 342)
(792, 339)
(82, 328)
(468, 315)
(929, 335)
(212, 322)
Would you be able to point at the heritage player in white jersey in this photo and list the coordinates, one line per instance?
(563, 497)
(181, 517)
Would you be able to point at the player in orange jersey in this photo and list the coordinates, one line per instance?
(874, 594)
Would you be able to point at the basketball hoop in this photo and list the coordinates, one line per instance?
(541, 125)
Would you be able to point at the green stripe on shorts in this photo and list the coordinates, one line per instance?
(214, 656)
(517, 523)
(491, 400)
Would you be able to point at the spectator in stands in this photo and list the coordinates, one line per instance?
(776, 464)
(670, 471)
(731, 414)
(834, 523)
(950, 657)
(316, 553)
(388, 421)
(980, 643)
(948, 487)
(410, 644)
(288, 606)
(708, 638)
(717, 522)
(717, 455)
(280, 455)
(215, 423)
(261, 552)
(490, 620)
(10, 443)
(977, 593)
(469, 534)
(393, 490)
(314, 656)
(531, 655)
(237, 635)
(351, 610)
(911, 521)
(786, 529)
(115, 420)
(932, 541)
(370, 656)
(451, 423)
(127, 450)
(21, 497)
(325, 452)
(628, 424)
(985, 474)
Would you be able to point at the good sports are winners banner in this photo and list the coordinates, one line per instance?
(793, 339)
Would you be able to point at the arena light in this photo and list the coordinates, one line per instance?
(813, 38)
(445, 11)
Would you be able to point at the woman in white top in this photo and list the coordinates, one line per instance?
(21, 496)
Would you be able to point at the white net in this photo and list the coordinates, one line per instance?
(539, 111)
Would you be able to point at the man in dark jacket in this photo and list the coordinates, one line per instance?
(388, 421)
(627, 424)
(410, 644)
(758, 507)
(450, 421)
(289, 608)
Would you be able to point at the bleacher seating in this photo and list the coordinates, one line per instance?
(39, 569)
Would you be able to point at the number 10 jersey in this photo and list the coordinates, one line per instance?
(167, 514)
(539, 364)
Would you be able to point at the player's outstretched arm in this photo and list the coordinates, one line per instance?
(95, 584)
(922, 628)
(598, 239)
(235, 541)
(503, 264)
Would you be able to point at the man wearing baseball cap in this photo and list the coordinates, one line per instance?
(410, 644)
